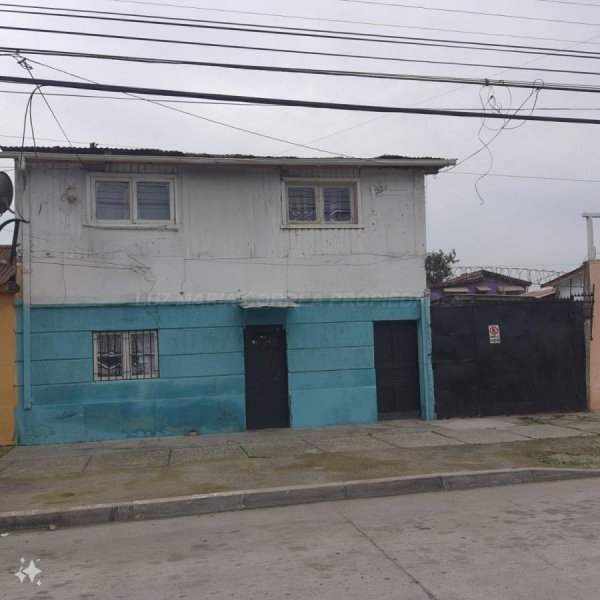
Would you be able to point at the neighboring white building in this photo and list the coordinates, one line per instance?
(568, 284)
(165, 292)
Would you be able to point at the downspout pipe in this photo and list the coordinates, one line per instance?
(26, 281)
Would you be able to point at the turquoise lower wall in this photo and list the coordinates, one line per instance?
(201, 384)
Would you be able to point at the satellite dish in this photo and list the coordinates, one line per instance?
(6, 192)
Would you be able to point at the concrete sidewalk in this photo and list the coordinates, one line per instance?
(50, 477)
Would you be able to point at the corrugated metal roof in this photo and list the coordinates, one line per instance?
(102, 150)
(7, 271)
(97, 150)
(105, 154)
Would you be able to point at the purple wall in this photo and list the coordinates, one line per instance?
(493, 283)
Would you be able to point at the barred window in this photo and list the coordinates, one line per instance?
(302, 204)
(120, 355)
(325, 204)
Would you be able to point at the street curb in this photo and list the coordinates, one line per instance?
(164, 508)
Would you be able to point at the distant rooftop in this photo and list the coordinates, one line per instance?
(564, 277)
(479, 275)
(114, 154)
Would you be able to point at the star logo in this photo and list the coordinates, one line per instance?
(30, 572)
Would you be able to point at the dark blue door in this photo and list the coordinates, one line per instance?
(397, 369)
(266, 377)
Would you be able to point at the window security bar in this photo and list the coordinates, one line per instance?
(125, 355)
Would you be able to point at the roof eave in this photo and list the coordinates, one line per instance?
(567, 275)
(431, 165)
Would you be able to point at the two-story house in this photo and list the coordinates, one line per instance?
(167, 293)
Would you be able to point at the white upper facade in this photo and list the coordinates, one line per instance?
(121, 229)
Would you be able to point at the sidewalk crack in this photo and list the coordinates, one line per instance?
(391, 559)
(87, 463)
(448, 436)
(312, 445)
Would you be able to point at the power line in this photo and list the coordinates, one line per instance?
(167, 61)
(471, 12)
(328, 20)
(303, 32)
(294, 103)
(560, 2)
(215, 103)
(539, 85)
(512, 176)
(195, 115)
(372, 120)
(170, 100)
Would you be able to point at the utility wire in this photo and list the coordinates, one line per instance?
(470, 12)
(313, 33)
(538, 84)
(512, 176)
(326, 20)
(361, 124)
(144, 18)
(185, 112)
(552, 1)
(292, 102)
(168, 61)
(171, 101)
(214, 103)
(261, 48)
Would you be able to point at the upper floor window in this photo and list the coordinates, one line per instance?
(133, 200)
(321, 203)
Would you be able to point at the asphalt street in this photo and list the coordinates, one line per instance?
(529, 541)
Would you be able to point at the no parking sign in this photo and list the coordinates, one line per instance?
(494, 333)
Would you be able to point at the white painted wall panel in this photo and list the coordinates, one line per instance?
(570, 287)
(229, 243)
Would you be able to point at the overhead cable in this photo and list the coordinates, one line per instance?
(169, 61)
(470, 12)
(538, 84)
(348, 22)
(310, 33)
(292, 102)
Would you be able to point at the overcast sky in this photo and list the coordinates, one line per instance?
(520, 221)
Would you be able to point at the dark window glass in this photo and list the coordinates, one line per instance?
(143, 354)
(302, 205)
(337, 205)
(110, 355)
(153, 201)
(112, 201)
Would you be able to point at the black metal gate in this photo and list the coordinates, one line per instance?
(508, 358)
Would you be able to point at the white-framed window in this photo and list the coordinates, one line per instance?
(130, 199)
(120, 355)
(321, 203)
